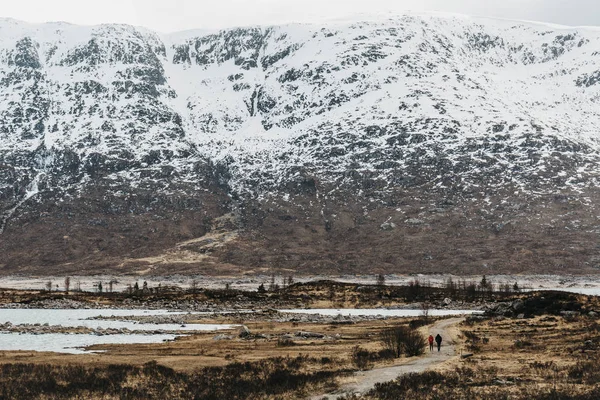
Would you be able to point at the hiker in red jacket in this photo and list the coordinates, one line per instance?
(430, 339)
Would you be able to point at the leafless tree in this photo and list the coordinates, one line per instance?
(193, 286)
(67, 284)
(273, 287)
(425, 307)
(391, 339)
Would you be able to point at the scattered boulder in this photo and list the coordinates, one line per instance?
(504, 309)
(517, 305)
(501, 382)
(245, 332)
(415, 221)
(388, 226)
(307, 335)
(223, 337)
(570, 314)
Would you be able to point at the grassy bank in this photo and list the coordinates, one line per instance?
(281, 378)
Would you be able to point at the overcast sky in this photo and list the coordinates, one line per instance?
(175, 15)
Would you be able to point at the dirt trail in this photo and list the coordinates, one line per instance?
(365, 380)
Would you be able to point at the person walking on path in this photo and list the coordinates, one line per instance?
(430, 339)
(438, 340)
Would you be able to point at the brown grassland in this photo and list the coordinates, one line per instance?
(547, 353)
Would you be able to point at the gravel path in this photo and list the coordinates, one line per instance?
(365, 380)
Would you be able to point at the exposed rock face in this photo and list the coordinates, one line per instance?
(416, 144)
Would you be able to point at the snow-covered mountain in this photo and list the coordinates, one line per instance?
(164, 134)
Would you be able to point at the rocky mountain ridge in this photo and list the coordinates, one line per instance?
(412, 144)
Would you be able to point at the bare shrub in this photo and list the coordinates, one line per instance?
(544, 369)
(403, 340)
(417, 323)
(414, 343)
(361, 358)
(587, 372)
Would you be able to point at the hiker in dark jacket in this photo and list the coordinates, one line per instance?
(438, 340)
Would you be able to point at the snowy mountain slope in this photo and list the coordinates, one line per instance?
(465, 92)
(146, 128)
